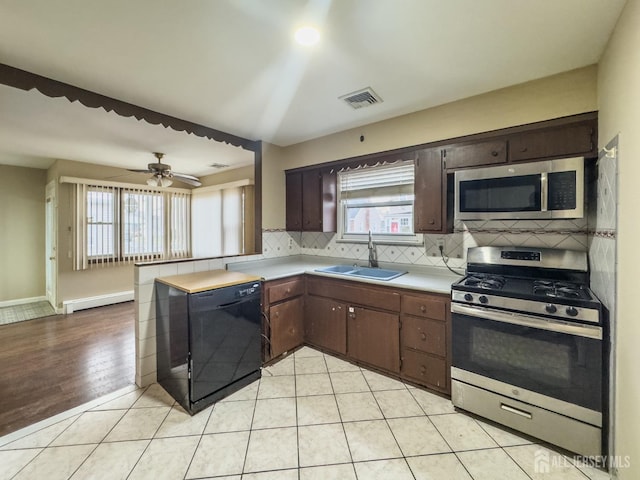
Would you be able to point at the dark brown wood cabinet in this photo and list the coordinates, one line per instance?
(373, 338)
(325, 324)
(429, 208)
(284, 314)
(311, 201)
(425, 339)
(293, 199)
(552, 143)
(475, 154)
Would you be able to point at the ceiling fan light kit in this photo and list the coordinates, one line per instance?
(162, 174)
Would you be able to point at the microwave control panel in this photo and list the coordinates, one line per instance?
(562, 191)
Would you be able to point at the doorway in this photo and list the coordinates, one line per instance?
(51, 232)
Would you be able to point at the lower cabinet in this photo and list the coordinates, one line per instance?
(404, 333)
(283, 310)
(425, 335)
(373, 338)
(287, 329)
(325, 324)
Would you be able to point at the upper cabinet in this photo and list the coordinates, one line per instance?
(475, 154)
(576, 140)
(311, 201)
(430, 207)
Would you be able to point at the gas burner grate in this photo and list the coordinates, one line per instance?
(558, 289)
(489, 282)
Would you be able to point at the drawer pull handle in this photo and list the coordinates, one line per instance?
(423, 369)
(516, 411)
(423, 336)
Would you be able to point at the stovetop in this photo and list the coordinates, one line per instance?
(530, 288)
(539, 282)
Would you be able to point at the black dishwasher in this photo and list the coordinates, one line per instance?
(208, 343)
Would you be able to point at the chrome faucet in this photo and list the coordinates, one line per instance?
(373, 257)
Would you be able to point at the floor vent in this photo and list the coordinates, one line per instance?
(362, 98)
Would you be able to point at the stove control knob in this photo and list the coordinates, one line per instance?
(572, 311)
(483, 299)
(551, 308)
(468, 297)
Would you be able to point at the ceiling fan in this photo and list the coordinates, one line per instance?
(163, 176)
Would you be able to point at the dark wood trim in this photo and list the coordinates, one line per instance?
(14, 77)
(257, 220)
(408, 153)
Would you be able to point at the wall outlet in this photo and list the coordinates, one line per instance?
(290, 242)
(440, 244)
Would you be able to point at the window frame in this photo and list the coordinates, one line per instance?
(413, 239)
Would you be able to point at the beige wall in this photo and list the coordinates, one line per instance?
(228, 176)
(22, 232)
(556, 96)
(619, 104)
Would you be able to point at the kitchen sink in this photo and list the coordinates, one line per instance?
(363, 272)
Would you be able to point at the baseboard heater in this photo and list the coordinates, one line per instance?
(70, 306)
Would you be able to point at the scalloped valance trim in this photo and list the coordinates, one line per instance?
(14, 77)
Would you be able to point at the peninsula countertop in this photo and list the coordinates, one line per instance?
(209, 280)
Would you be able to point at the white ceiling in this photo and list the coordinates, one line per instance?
(231, 64)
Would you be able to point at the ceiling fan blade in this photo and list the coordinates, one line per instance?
(188, 179)
(139, 171)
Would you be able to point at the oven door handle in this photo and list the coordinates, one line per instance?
(588, 331)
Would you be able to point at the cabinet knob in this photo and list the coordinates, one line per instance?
(288, 290)
(494, 153)
(277, 314)
(523, 149)
(423, 369)
(333, 309)
(423, 309)
(431, 221)
(423, 336)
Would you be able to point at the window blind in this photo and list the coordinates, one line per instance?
(377, 181)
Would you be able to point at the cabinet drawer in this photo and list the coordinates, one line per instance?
(424, 334)
(371, 296)
(425, 369)
(285, 289)
(423, 306)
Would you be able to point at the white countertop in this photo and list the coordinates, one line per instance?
(430, 279)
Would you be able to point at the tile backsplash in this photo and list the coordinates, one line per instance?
(569, 234)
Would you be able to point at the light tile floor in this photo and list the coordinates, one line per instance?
(27, 311)
(311, 416)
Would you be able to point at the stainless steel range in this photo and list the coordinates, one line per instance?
(528, 348)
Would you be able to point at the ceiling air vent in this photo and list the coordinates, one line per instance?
(218, 165)
(362, 98)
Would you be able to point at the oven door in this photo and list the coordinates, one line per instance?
(548, 357)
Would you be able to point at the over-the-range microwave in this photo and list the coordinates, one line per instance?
(538, 190)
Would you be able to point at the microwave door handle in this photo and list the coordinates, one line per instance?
(544, 191)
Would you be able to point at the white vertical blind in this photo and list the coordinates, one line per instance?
(218, 221)
(232, 221)
(116, 224)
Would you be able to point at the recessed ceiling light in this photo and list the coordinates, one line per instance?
(307, 36)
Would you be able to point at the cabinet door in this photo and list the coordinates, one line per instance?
(476, 154)
(286, 320)
(311, 201)
(428, 203)
(293, 216)
(373, 337)
(325, 324)
(557, 142)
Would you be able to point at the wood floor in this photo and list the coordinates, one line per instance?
(52, 364)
